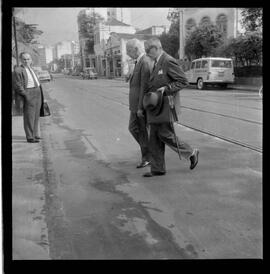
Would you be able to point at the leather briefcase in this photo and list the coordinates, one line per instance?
(45, 110)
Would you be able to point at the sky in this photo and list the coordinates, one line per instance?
(60, 24)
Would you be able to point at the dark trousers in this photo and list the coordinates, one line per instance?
(138, 129)
(161, 134)
(31, 112)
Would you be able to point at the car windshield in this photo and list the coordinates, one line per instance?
(221, 63)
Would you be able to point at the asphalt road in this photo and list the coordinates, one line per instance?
(98, 206)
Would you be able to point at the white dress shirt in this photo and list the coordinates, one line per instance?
(31, 83)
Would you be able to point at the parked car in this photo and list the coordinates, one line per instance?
(89, 73)
(44, 75)
(211, 70)
(75, 73)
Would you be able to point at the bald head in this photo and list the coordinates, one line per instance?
(134, 48)
(26, 59)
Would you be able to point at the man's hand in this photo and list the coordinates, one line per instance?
(140, 113)
(162, 89)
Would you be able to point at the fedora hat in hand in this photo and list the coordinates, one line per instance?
(153, 102)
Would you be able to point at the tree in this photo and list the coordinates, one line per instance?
(86, 24)
(173, 15)
(252, 19)
(203, 41)
(170, 43)
(27, 35)
(245, 49)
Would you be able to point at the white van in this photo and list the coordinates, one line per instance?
(211, 70)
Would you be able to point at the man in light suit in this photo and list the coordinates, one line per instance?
(168, 78)
(137, 85)
(27, 85)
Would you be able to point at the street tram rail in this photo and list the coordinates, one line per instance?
(223, 115)
(224, 138)
(230, 140)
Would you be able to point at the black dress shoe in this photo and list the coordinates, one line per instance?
(194, 159)
(32, 141)
(143, 164)
(37, 137)
(153, 173)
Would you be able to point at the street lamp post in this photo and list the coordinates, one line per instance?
(15, 37)
(73, 49)
(181, 33)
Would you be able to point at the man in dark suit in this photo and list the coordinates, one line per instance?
(26, 84)
(137, 84)
(168, 78)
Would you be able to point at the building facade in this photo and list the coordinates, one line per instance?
(62, 48)
(102, 34)
(41, 57)
(226, 19)
(49, 54)
(119, 63)
(154, 30)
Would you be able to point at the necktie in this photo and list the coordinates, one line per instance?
(155, 64)
(34, 79)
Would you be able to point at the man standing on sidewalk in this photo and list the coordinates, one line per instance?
(166, 79)
(26, 84)
(137, 85)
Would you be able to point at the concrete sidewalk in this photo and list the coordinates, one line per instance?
(29, 231)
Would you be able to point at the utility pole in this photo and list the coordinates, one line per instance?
(181, 33)
(15, 37)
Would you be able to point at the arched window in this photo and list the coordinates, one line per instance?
(205, 21)
(221, 22)
(190, 25)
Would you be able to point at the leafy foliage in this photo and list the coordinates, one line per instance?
(252, 19)
(173, 15)
(170, 43)
(203, 41)
(170, 40)
(26, 35)
(245, 49)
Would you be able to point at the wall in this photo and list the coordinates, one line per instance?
(198, 13)
(252, 81)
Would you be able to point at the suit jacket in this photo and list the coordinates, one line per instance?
(20, 80)
(167, 73)
(138, 83)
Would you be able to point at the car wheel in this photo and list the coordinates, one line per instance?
(200, 84)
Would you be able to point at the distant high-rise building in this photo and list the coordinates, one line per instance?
(62, 48)
(41, 61)
(49, 54)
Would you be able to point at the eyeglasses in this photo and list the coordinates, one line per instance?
(147, 50)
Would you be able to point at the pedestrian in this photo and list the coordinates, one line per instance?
(166, 79)
(137, 85)
(27, 85)
(17, 100)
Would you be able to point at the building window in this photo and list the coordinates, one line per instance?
(205, 21)
(190, 25)
(222, 23)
